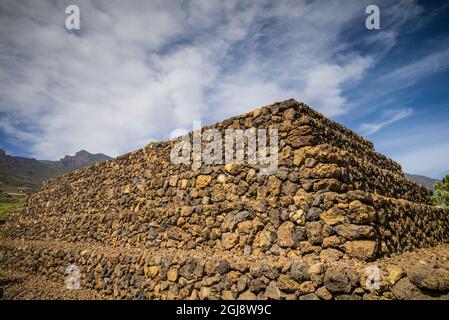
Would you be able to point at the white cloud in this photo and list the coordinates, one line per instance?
(421, 148)
(137, 70)
(325, 84)
(387, 117)
(429, 159)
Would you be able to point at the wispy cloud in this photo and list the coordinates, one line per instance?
(415, 71)
(388, 117)
(137, 70)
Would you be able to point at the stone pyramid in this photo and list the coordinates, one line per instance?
(141, 227)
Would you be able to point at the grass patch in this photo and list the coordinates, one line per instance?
(6, 207)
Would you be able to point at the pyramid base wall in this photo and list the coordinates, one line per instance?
(175, 274)
(333, 198)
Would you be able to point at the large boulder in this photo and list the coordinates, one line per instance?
(428, 277)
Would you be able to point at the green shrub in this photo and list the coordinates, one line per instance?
(153, 143)
(441, 194)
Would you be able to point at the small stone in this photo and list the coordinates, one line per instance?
(300, 156)
(323, 293)
(330, 254)
(299, 271)
(275, 249)
(331, 242)
(240, 266)
(223, 266)
(232, 220)
(188, 269)
(405, 290)
(256, 286)
(353, 232)
(172, 274)
(229, 240)
(361, 249)
(221, 178)
(298, 216)
(228, 295)
(186, 211)
(315, 232)
(336, 280)
(203, 181)
(274, 185)
(269, 272)
(307, 287)
(287, 235)
(310, 163)
(316, 273)
(205, 293)
(242, 283)
(309, 296)
(287, 284)
(153, 271)
(181, 221)
(264, 239)
(395, 273)
(313, 214)
(173, 181)
(247, 295)
(272, 291)
(333, 216)
(184, 183)
(289, 114)
(231, 167)
(360, 213)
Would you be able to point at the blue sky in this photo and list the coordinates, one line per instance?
(137, 70)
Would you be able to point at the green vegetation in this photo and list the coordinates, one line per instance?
(20, 176)
(6, 207)
(8, 202)
(441, 194)
(152, 143)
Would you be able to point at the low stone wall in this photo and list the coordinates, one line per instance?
(357, 223)
(180, 274)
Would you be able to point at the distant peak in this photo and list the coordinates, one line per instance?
(81, 153)
(82, 159)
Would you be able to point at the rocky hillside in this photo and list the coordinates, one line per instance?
(27, 174)
(422, 180)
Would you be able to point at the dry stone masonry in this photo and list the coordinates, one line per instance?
(140, 227)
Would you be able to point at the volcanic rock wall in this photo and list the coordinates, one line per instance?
(140, 226)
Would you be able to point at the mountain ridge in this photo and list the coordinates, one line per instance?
(27, 174)
(422, 180)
